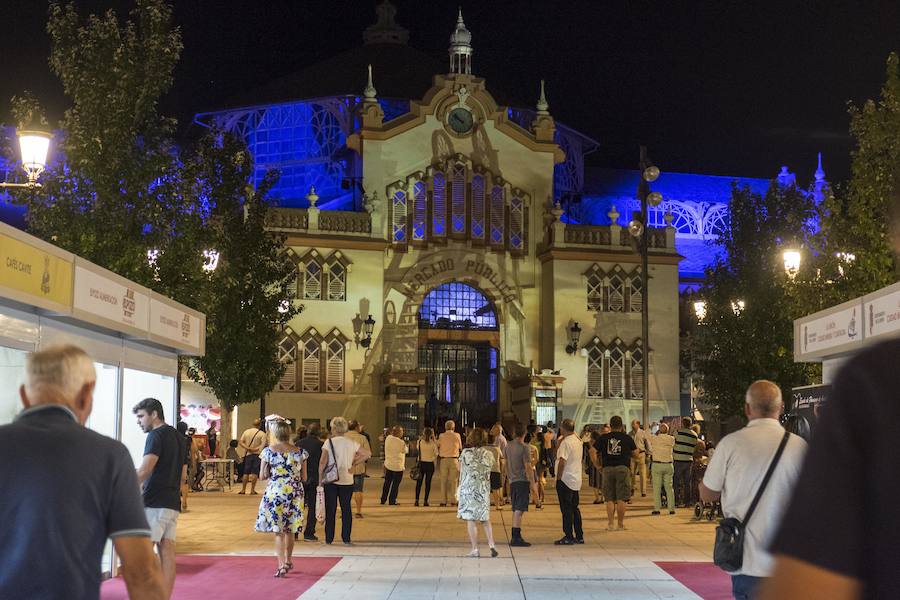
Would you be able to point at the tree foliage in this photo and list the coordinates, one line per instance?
(124, 188)
(733, 345)
(248, 304)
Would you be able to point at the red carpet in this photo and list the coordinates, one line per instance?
(704, 579)
(235, 577)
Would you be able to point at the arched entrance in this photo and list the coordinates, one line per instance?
(459, 355)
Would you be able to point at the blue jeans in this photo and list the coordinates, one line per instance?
(743, 587)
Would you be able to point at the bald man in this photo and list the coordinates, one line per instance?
(68, 489)
(734, 475)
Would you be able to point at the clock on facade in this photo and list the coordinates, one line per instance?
(460, 120)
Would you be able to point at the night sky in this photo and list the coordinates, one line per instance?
(727, 88)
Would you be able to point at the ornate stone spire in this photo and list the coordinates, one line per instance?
(369, 93)
(819, 185)
(820, 172)
(542, 105)
(461, 48)
(385, 30)
(543, 125)
(370, 112)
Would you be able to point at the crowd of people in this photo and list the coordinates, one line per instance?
(786, 552)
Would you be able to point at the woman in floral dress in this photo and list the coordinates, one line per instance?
(474, 491)
(281, 507)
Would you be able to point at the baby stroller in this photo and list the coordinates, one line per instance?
(710, 510)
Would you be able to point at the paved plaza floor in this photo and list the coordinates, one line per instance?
(407, 552)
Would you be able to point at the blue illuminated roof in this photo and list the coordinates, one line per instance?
(600, 182)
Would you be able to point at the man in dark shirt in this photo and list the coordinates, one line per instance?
(161, 473)
(66, 490)
(838, 538)
(616, 449)
(521, 480)
(312, 443)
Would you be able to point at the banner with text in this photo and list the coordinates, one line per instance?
(109, 299)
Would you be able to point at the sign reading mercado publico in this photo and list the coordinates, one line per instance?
(847, 327)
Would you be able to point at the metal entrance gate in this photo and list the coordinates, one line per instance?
(461, 384)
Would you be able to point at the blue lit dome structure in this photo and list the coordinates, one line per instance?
(299, 125)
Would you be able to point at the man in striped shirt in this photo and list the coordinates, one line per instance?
(685, 442)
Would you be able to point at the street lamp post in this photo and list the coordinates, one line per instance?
(33, 146)
(638, 228)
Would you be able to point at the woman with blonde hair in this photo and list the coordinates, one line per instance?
(427, 455)
(281, 506)
(475, 464)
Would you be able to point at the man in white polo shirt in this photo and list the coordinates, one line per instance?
(568, 483)
(736, 471)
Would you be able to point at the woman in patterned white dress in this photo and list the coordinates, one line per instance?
(474, 492)
(281, 507)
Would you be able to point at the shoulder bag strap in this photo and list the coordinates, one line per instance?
(765, 481)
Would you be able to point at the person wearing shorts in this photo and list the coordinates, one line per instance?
(161, 473)
(616, 449)
(253, 440)
(520, 473)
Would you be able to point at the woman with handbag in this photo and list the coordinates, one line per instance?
(281, 507)
(339, 454)
(427, 455)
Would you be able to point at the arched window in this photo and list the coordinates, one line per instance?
(311, 268)
(291, 260)
(335, 346)
(398, 217)
(478, 207)
(635, 291)
(456, 305)
(716, 221)
(615, 357)
(595, 369)
(636, 368)
(615, 290)
(458, 200)
(439, 205)
(517, 221)
(498, 215)
(420, 212)
(594, 280)
(311, 363)
(287, 355)
(336, 268)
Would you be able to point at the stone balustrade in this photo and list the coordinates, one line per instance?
(609, 236)
(339, 221)
(314, 220)
(287, 219)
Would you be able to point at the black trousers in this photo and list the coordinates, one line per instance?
(391, 486)
(427, 475)
(571, 514)
(333, 494)
(309, 495)
(682, 482)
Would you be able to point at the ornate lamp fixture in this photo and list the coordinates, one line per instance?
(792, 259)
(369, 327)
(574, 336)
(34, 144)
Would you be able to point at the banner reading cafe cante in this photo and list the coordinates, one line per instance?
(36, 274)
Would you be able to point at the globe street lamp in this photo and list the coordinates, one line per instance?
(700, 309)
(33, 146)
(637, 227)
(792, 261)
